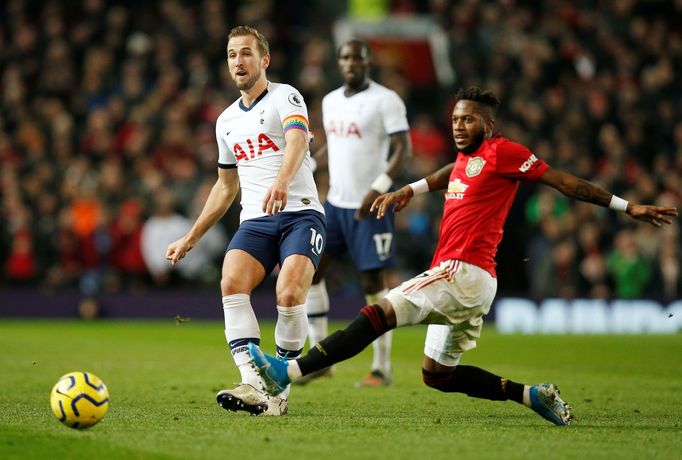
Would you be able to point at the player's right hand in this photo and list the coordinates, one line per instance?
(178, 250)
(654, 215)
(400, 198)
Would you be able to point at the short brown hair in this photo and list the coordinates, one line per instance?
(240, 31)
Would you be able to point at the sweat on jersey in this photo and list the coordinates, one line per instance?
(252, 139)
(358, 129)
(481, 190)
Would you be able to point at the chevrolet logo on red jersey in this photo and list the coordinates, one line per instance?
(456, 190)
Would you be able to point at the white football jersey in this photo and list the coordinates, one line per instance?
(252, 139)
(358, 129)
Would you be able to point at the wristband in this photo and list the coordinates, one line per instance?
(313, 163)
(618, 204)
(382, 183)
(421, 186)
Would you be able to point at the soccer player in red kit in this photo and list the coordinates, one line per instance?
(457, 291)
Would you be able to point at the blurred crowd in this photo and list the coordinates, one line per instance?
(107, 144)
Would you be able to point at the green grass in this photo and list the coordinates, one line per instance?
(626, 392)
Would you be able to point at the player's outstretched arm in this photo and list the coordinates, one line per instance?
(400, 198)
(435, 181)
(580, 189)
(218, 202)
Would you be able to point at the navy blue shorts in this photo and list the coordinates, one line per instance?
(369, 242)
(271, 239)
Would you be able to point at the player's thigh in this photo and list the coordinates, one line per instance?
(371, 243)
(260, 238)
(241, 272)
(294, 279)
(445, 344)
(301, 249)
(454, 293)
(303, 233)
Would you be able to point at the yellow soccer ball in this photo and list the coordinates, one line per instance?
(79, 399)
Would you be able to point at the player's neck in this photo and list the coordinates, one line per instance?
(351, 90)
(250, 95)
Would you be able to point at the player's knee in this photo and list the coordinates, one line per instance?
(229, 285)
(436, 380)
(290, 296)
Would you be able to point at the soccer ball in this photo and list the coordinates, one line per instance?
(79, 399)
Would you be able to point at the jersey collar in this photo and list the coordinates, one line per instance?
(256, 101)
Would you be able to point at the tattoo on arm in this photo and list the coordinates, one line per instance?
(586, 191)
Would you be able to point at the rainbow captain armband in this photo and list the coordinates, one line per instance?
(295, 122)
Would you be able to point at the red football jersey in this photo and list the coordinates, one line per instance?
(481, 190)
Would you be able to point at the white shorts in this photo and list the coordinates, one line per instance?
(452, 299)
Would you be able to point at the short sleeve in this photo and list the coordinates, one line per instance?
(226, 158)
(515, 161)
(393, 113)
(291, 107)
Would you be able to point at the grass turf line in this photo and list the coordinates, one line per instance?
(626, 392)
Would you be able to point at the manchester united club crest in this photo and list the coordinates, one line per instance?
(475, 166)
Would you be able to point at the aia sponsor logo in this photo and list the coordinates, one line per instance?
(342, 129)
(251, 149)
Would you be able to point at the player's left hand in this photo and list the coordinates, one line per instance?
(655, 215)
(275, 198)
(367, 201)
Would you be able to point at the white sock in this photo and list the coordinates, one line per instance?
(291, 330)
(382, 345)
(293, 370)
(317, 308)
(241, 327)
(526, 395)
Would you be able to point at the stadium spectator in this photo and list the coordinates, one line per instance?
(604, 83)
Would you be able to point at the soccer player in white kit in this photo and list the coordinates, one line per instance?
(263, 142)
(367, 147)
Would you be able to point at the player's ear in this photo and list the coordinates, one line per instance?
(266, 61)
(489, 124)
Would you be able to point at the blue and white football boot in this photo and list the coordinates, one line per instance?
(272, 370)
(545, 400)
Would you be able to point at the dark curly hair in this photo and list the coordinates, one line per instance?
(476, 94)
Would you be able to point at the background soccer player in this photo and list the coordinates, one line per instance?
(367, 145)
(457, 291)
(262, 147)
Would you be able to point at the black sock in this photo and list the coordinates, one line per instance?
(475, 382)
(341, 345)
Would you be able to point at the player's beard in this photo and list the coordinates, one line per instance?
(476, 142)
(248, 84)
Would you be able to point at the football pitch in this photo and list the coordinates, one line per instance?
(626, 392)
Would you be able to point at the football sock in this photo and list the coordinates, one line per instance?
(475, 382)
(291, 330)
(241, 327)
(317, 309)
(382, 346)
(341, 345)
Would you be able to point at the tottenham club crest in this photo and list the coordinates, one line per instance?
(475, 166)
(295, 99)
